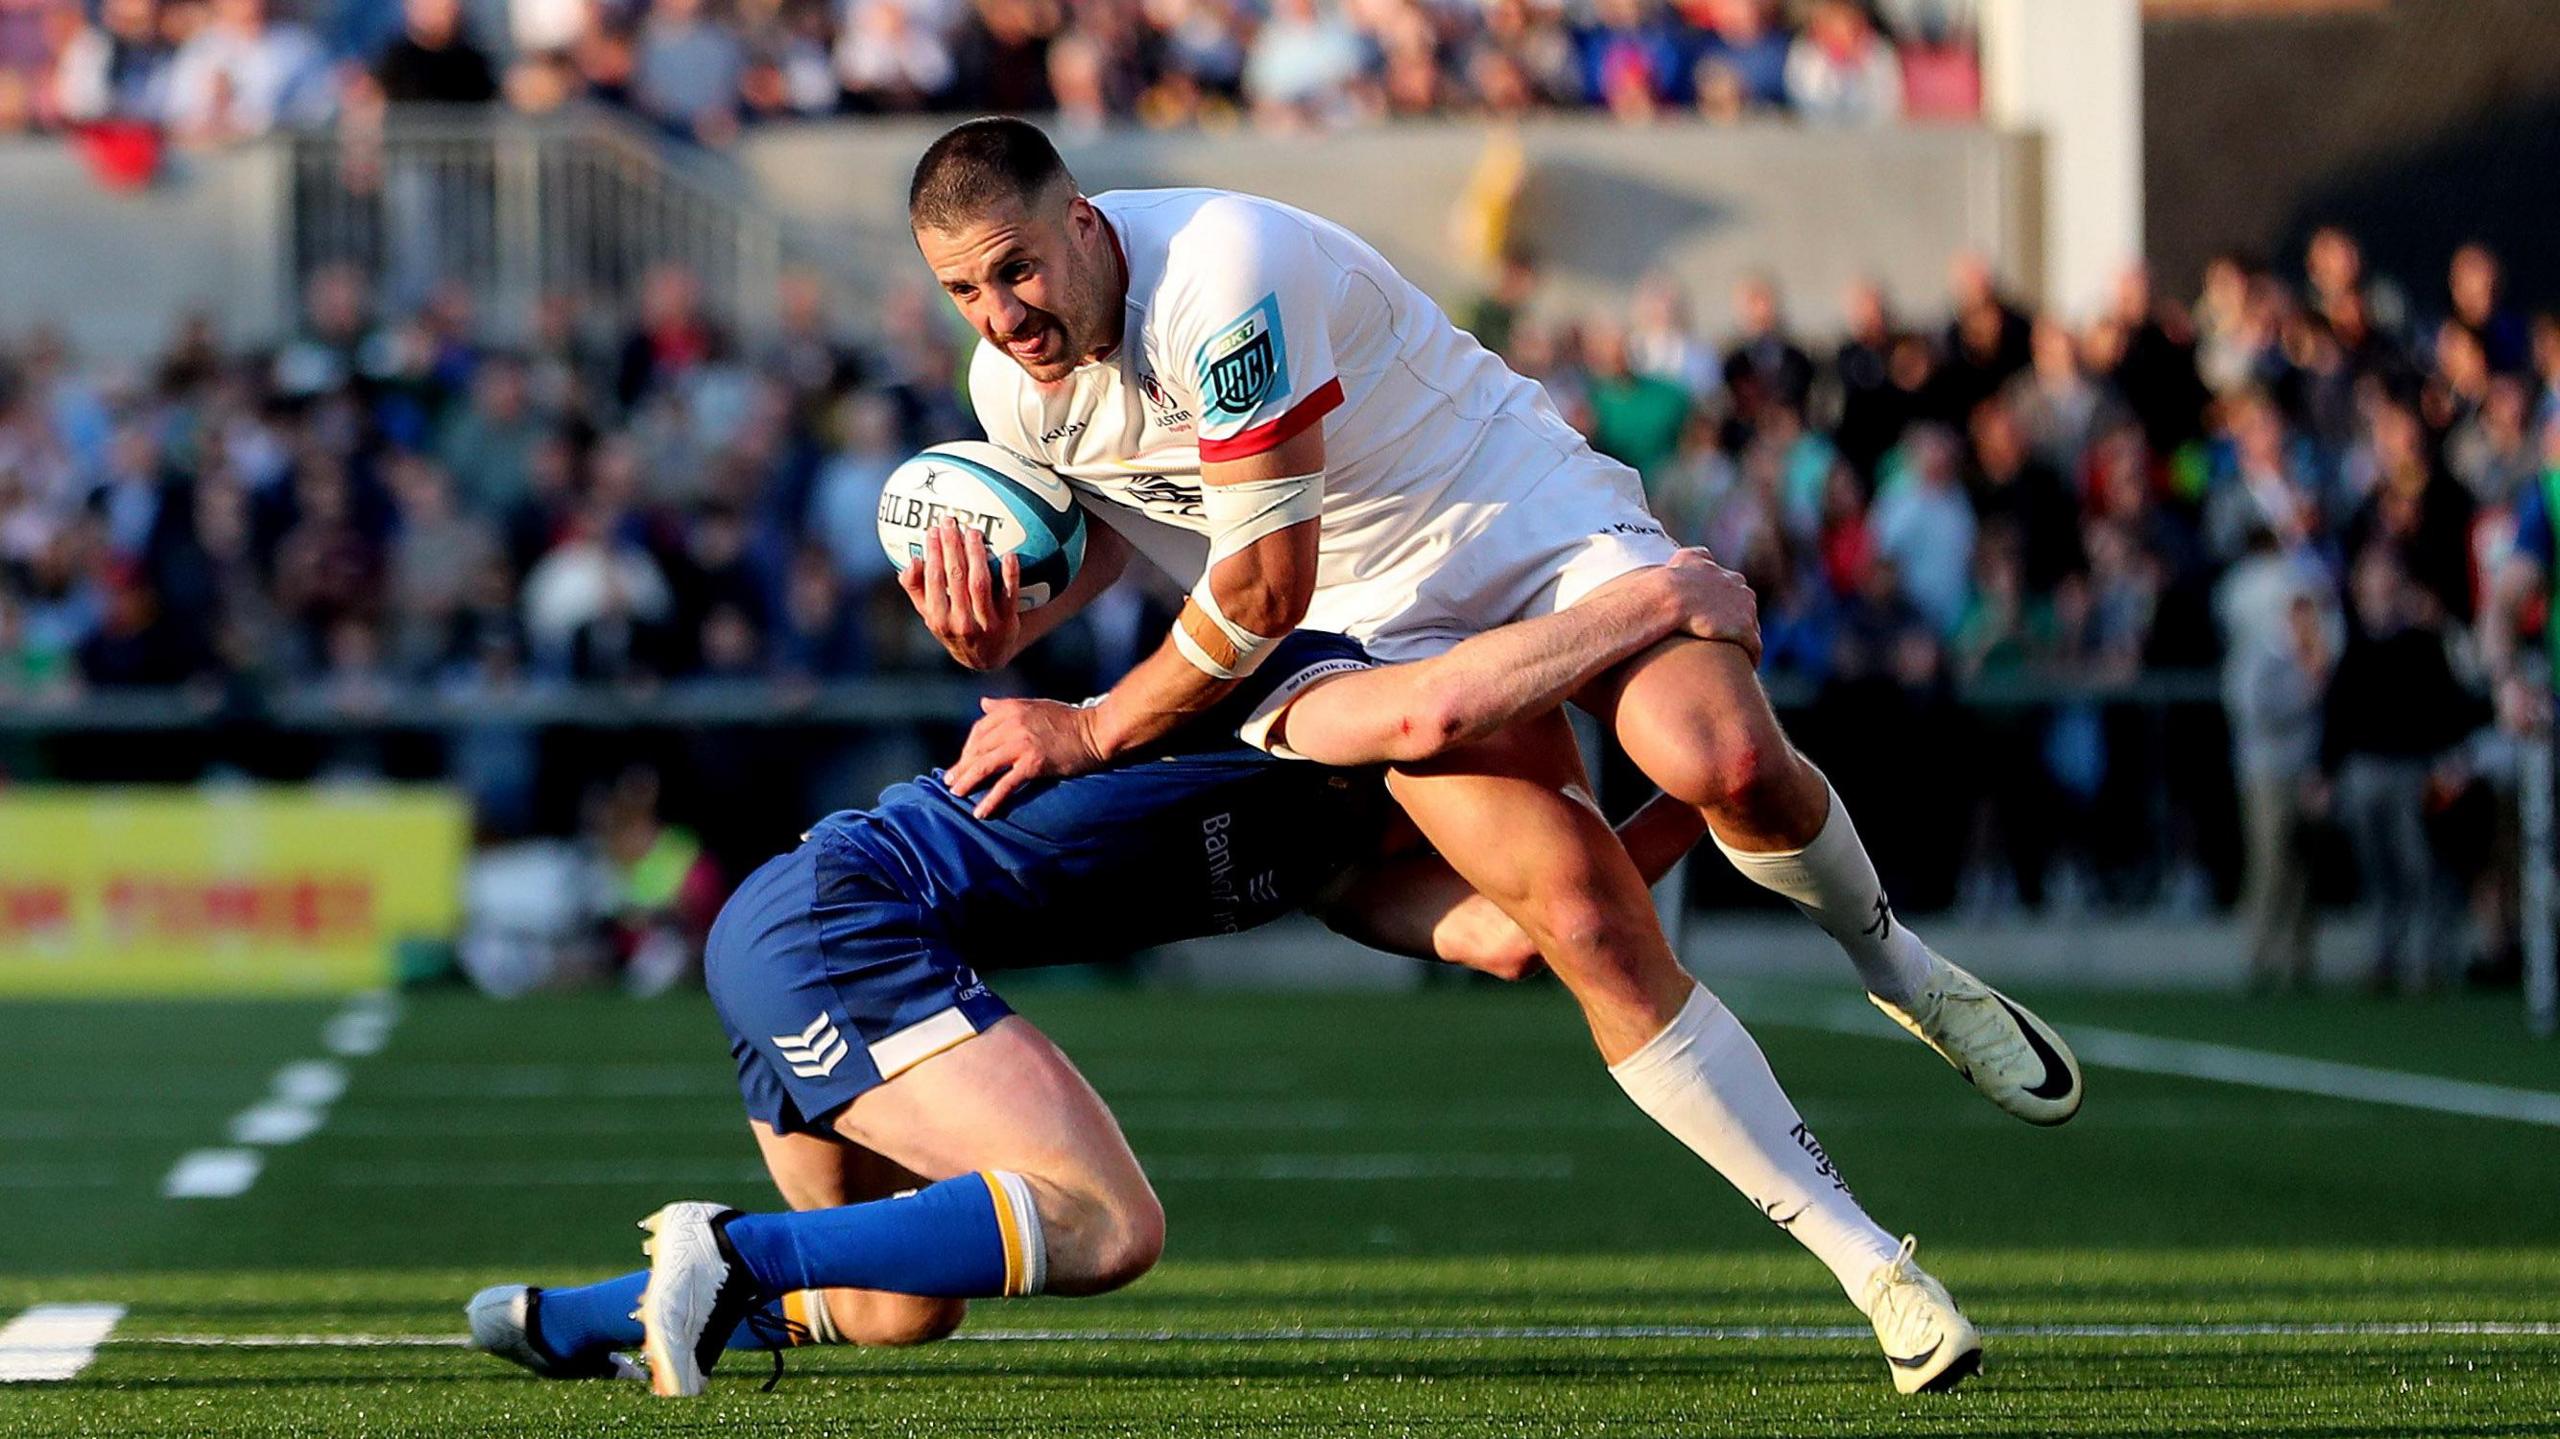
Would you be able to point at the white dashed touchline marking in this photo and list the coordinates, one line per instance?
(315, 1082)
(212, 1174)
(274, 1123)
(54, 1341)
(1498, 1333)
(363, 1026)
(296, 1105)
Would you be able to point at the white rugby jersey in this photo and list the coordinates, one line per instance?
(1249, 321)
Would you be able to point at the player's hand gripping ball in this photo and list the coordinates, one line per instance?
(1021, 509)
(979, 534)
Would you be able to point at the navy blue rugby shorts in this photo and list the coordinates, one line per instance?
(830, 983)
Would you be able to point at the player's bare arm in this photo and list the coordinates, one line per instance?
(1249, 599)
(1405, 713)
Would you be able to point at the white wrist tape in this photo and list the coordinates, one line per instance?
(1245, 511)
(1216, 646)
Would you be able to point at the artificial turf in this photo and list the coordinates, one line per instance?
(1424, 1213)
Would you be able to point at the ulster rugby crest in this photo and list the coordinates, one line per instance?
(1168, 411)
(1244, 366)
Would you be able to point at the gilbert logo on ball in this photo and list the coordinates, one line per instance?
(1019, 505)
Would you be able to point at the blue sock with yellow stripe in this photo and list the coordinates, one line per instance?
(974, 1237)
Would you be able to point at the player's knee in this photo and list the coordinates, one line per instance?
(1753, 778)
(893, 1321)
(1130, 1244)
(1756, 777)
(1100, 1240)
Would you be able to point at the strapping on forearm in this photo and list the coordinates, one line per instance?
(1240, 514)
(1216, 646)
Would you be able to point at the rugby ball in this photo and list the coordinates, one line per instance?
(1022, 507)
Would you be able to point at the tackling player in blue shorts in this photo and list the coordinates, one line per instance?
(876, 1062)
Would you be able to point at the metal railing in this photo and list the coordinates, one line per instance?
(2540, 898)
(584, 203)
(741, 703)
(2164, 733)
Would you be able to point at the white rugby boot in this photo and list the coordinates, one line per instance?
(1927, 1341)
(502, 1324)
(697, 1293)
(1996, 1043)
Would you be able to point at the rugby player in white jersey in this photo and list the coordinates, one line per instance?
(1255, 399)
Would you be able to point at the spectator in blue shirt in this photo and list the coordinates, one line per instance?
(1744, 37)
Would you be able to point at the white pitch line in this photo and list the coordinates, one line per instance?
(297, 1341)
(1756, 1332)
(363, 1026)
(55, 1341)
(212, 1174)
(1500, 1333)
(315, 1083)
(274, 1123)
(588, 1120)
(1361, 1168)
(609, 1173)
(2254, 1068)
(2259, 1069)
(1178, 1168)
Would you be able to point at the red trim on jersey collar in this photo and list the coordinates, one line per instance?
(1277, 432)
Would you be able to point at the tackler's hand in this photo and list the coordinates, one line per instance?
(1716, 603)
(1018, 741)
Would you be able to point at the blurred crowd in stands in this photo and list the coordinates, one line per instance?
(2314, 480)
(210, 70)
(2303, 478)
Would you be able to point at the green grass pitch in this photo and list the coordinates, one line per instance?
(1420, 1214)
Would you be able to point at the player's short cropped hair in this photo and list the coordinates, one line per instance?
(977, 165)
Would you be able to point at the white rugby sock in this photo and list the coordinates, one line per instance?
(1703, 1079)
(1835, 884)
